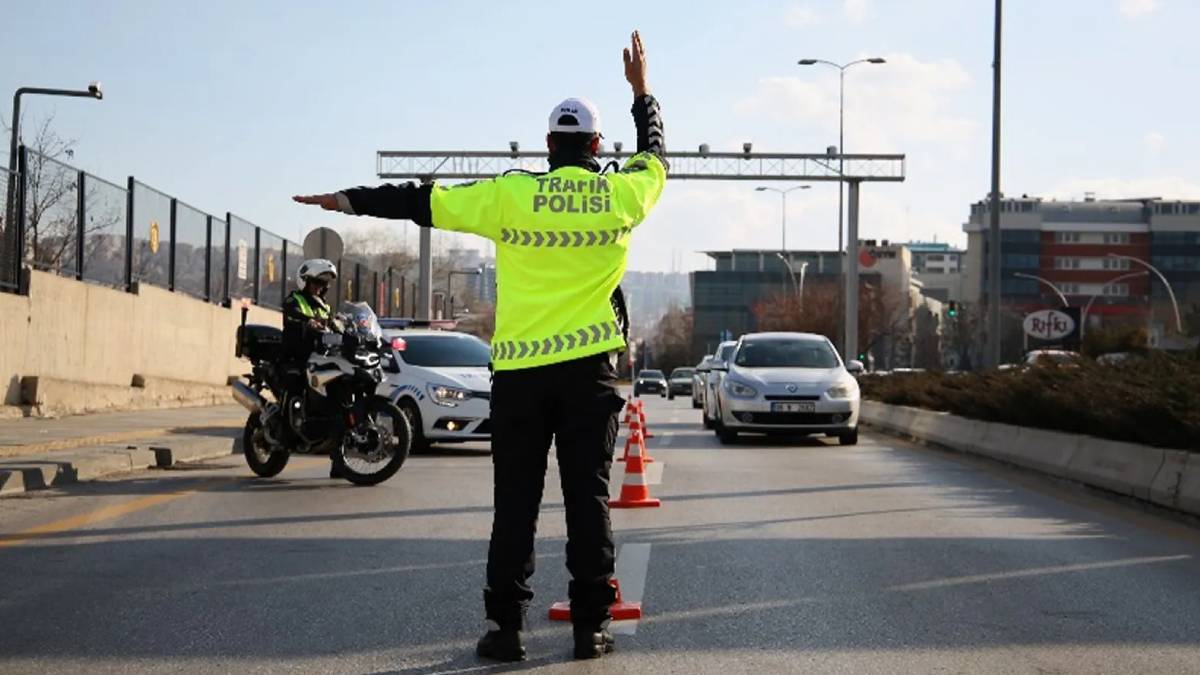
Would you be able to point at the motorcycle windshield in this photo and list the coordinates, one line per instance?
(363, 318)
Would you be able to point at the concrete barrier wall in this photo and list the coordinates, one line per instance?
(1168, 478)
(74, 332)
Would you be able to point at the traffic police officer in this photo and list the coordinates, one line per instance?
(305, 317)
(562, 241)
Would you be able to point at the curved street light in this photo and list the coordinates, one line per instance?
(1170, 291)
(1022, 275)
(841, 67)
(784, 194)
(1110, 282)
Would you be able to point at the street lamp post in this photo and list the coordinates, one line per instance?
(1047, 282)
(1170, 291)
(93, 91)
(841, 122)
(1110, 282)
(788, 265)
(783, 224)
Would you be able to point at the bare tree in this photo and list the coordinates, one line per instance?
(672, 342)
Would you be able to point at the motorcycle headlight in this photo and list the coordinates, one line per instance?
(448, 396)
(843, 390)
(739, 390)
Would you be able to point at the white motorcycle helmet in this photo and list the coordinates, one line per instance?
(318, 269)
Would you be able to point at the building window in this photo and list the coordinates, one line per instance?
(1066, 237)
(1069, 288)
(1117, 290)
(1066, 263)
(1116, 238)
(1116, 264)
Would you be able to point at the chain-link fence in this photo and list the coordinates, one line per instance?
(75, 224)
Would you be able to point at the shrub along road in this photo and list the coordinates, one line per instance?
(773, 555)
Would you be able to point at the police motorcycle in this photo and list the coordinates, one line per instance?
(339, 415)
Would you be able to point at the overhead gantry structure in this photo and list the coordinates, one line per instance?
(747, 165)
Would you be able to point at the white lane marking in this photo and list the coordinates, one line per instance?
(633, 563)
(653, 473)
(1036, 571)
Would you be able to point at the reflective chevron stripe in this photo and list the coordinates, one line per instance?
(561, 239)
(555, 344)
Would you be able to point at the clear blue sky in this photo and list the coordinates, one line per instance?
(237, 105)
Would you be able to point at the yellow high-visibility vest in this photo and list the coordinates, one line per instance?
(562, 243)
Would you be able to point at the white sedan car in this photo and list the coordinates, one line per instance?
(787, 383)
(443, 385)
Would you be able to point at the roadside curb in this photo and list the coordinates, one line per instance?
(19, 475)
(1169, 478)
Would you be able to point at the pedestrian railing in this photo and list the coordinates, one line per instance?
(56, 218)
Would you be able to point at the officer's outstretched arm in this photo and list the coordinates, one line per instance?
(475, 208)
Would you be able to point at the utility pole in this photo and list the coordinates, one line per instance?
(994, 259)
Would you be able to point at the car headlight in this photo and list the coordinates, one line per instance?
(739, 390)
(447, 396)
(843, 390)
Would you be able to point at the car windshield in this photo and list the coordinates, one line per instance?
(651, 375)
(784, 353)
(448, 350)
(725, 352)
(681, 373)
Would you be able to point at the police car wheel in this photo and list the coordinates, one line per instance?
(420, 444)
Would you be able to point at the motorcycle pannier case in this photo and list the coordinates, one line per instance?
(260, 343)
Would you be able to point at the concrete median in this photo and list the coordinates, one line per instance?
(1166, 477)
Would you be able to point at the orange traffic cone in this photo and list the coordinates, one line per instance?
(641, 410)
(636, 428)
(630, 409)
(620, 610)
(635, 493)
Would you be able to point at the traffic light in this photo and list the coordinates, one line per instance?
(952, 309)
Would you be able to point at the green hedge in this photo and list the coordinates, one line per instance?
(1154, 401)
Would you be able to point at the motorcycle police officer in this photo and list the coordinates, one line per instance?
(562, 242)
(305, 317)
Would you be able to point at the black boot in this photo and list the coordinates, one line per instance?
(333, 471)
(592, 643)
(501, 645)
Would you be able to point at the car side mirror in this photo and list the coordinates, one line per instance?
(855, 367)
(723, 367)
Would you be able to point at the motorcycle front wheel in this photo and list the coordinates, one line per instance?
(263, 459)
(381, 449)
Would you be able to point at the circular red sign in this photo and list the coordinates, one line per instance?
(865, 258)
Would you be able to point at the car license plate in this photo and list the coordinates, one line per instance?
(794, 407)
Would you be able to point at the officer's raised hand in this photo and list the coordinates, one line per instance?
(635, 65)
(327, 201)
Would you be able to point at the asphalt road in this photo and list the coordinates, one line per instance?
(779, 555)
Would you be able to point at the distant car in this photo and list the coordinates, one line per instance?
(1060, 357)
(680, 382)
(1118, 358)
(699, 376)
(791, 383)
(443, 385)
(650, 381)
(713, 381)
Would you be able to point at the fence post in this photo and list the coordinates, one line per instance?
(283, 277)
(257, 255)
(375, 287)
(357, 296)
(171, 253)
(22, 186)
(129, 236)
(80, 215)
(207, 258)
(227, 300)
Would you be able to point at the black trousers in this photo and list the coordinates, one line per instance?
(575, 405)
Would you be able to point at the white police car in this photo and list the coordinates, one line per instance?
(443, 385)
